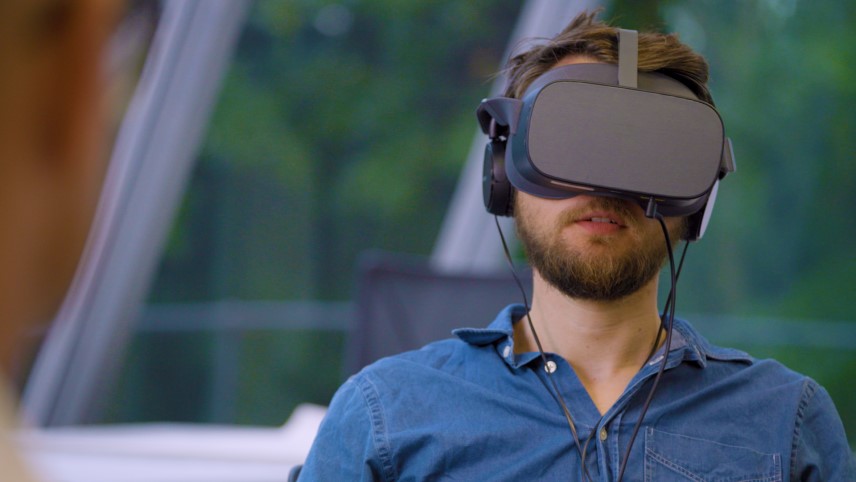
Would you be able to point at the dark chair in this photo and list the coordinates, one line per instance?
(402, 303)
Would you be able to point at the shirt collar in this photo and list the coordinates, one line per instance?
(501, 328)
(687, 343)
(500, 333)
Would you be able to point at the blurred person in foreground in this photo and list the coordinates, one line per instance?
(53, 156)
(564, 390)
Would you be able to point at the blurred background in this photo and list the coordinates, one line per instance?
(344, 127)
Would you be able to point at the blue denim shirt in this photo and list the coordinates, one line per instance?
(472, 409)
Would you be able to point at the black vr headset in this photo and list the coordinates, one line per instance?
(607, 130)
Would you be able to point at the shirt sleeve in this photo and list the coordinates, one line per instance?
(345, 446)
(820, 449)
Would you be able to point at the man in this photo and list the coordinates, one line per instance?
(564, 389)
(52, 160)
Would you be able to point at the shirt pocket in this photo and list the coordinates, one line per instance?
(672, 457)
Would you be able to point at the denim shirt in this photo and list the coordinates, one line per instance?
(472, 409)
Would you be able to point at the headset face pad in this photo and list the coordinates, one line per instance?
(577, 131)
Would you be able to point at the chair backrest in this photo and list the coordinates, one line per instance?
(402, 303)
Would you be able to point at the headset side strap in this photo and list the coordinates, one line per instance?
(728, 163)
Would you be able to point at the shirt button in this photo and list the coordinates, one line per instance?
(506, 351)
(603, 434)
(550, 367)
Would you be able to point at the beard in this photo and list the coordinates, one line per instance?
(606, 275)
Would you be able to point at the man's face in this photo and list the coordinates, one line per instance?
(590, 247)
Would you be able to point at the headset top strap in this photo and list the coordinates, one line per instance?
(628, 57)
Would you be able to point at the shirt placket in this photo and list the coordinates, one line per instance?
(610, 433)
(585, 418)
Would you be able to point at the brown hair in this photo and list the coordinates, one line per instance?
(586, 36)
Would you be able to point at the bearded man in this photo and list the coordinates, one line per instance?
(565, 389)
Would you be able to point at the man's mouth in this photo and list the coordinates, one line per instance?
(602, 220)
(602, 217)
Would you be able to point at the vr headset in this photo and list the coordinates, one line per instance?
(607, 130)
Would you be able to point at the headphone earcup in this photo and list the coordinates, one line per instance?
(496, 190)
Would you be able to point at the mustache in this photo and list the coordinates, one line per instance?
(621, 207)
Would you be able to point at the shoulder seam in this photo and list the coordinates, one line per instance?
(378, 422)
(809, 389)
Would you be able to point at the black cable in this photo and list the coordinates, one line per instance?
(677, 277)
(668, 303)
(655, 344)
(558, 393)
(667, 346)
(586, 445)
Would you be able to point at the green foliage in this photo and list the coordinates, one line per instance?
(284, 369)
(355, 131)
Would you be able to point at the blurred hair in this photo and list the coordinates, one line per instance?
(589, 37)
